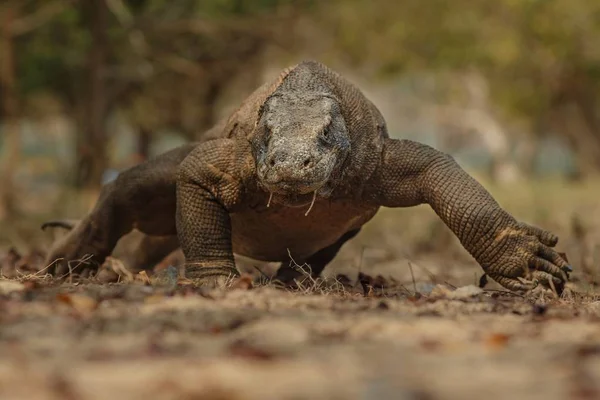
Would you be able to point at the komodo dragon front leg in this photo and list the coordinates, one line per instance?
(411, 173)
(208, 189)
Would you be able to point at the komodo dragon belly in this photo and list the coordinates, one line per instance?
(278, 232)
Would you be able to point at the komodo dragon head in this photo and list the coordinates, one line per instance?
(300, 142)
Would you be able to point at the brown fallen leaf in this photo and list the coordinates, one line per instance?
(81, 304)
(243, 350)
(118, 267)
(497, 341)
(155, 298)
(143, 277)
(244, 282)
(430, 344)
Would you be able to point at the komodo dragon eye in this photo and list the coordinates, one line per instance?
(267, 132)
(324, 136)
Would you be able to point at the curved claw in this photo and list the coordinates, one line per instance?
(537, 263)
(548, 280)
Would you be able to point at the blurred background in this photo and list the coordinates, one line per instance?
(510, 88)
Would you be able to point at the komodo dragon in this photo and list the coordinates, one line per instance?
(296, 171)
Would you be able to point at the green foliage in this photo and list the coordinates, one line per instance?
(531, 51)
(524, 47)
(49, 57)
(214, 9)
(53, 57)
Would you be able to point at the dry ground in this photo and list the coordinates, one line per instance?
(134, 341)
(420, 339)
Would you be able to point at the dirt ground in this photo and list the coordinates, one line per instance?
(135, 341)
(431, 333)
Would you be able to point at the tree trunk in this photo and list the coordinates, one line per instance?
(144, 141)
(9, 112)
(92, 157)
(581, 138)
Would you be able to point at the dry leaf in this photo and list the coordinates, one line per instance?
(143, 277)
(80, 303)
(243, 350)
(155, 298)
(497, 341)
(244, 282)
(430, 344)
(440, 291)
(118, 267)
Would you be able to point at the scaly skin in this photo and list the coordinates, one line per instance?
(297, 170)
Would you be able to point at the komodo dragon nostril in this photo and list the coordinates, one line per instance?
(308, 162)
(276, 158)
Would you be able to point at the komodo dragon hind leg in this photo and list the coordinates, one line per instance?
(141, 198)
(136, 250)
(288, 273)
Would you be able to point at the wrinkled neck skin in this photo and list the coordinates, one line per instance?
(300, 144)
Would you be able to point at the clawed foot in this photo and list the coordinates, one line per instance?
(210, 277)
(522, 257)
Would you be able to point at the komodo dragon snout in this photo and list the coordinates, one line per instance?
(301, 143)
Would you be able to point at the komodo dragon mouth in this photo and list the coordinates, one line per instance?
(295, 205)
(297, 193)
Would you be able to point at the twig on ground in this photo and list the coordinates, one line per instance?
(412, 275)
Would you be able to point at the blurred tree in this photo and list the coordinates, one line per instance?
(8, 111)
(539, 58)
(192, 51)
(160, 64)
(92, 146)
(16, 19)
(511, 72)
